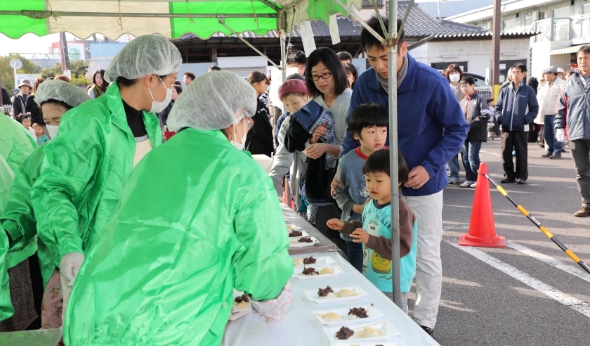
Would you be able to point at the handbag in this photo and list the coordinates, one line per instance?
(318, 180)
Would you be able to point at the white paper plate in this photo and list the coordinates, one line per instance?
(293, 242)
(323, 261)
(235, 308)
(299, 270)
(303, 234)
(292, 227)
(372, 312)
(385, 327)
(312, 295)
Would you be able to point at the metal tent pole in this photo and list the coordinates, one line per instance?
(393, 148)
(283, 54)
(47, 14)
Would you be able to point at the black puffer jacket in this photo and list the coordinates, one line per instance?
(259, 139)
(5, 97)
(19, 105)
(33, 108)
(478, 121)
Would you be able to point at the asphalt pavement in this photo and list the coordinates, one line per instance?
(531, 292)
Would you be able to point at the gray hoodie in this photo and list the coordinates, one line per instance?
(574, 107)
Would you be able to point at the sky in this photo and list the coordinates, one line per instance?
(31, 43)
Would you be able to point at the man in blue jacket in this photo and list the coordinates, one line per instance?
(574, 111)
(431, 129)
(516, 107)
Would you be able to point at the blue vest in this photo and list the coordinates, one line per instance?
(377, 269)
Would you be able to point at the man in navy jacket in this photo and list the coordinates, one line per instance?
(431, 129)
(516, 108)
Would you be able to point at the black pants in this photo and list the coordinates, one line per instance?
(37, 282)
(533, 133)
(518, 141)
(324, 214)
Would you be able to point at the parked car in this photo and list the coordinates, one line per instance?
(483, 88)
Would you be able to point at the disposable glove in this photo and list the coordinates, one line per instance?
(70, 265)
(274, 310)
(239, 314)
(560, 135)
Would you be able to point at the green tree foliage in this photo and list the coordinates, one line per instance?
(78, 68)
(53, 71)
(7, 73)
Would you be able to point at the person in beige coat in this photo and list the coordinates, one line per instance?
(548, 97)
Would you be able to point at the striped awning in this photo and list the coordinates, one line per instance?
(171, 19)
(568, 50)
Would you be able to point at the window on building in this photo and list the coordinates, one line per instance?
(528, 20)
(562, 11)
(367, 4)
(586, 9)
(509, 24)
(542, 15)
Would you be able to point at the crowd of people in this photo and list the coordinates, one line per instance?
(537, 112)
(114, 236)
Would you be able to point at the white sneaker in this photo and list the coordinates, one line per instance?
(467, 183)
(453, 181)
(473, 185)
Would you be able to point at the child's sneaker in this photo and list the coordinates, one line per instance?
(467, 183)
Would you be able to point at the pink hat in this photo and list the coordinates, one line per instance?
(292, 86)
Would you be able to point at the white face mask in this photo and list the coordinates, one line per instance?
(455, 78)
(158, 106)
(240, 146)
(52, 129)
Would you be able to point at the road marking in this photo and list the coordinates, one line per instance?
(570, 269)
(489, 152)
(526, 279)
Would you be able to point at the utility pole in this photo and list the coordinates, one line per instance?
(496, 23)
(65, 59)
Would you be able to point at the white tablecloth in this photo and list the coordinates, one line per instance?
(300, 327)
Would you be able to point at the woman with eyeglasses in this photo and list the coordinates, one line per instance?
(318, 129)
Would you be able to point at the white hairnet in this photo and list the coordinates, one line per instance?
(211, 101)
(146, 55)
(60, 91)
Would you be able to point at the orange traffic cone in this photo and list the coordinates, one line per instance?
(482, 229)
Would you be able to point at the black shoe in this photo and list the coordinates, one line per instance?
(428, 331)
(508, 181)
(546, 155)
(520, 181)
(555, 156)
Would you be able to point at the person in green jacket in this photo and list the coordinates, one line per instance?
(198, 218)
(16, 144)
(98, 145)
(6, 177)
(55, 98)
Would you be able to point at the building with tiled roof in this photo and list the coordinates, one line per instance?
(420, 24)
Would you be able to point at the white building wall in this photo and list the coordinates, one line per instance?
(367, 14)
(478, 54)
(542, 58)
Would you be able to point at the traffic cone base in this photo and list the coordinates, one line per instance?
(482, 228)
(494, 242)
